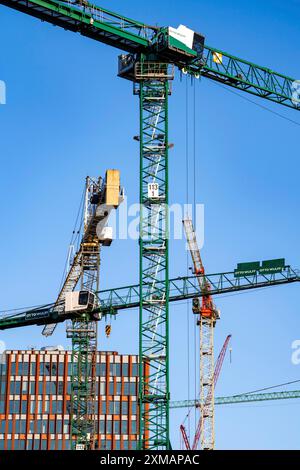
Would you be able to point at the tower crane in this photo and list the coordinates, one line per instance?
(101, 197)
(217, 372)
(150, 55)
(208, 315)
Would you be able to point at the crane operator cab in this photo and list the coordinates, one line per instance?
(81, 301)
(180, 44)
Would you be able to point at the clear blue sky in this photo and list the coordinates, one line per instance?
(68, 115)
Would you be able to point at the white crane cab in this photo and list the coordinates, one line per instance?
(79, 301)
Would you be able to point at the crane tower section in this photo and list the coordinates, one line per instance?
(208, 314)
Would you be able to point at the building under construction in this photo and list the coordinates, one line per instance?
(35, 400)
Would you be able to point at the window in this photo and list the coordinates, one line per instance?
(125, 370)
(44, 444)
(126, 388)
(67, 445)
(24, 406)
(102, 388)
(41, 369)
(124, 407)
(24, 388)
(31, 426)
(133, 407)
(132, 389)
(119, 388)
(32, 406)
(51, 426)
(2, 385)
(29, 444)
(18, 388)
(124, 427)
(52, 444)
(36, 444)
(135, 370)
(12, 388)
(133, 445)
(40, 407)
(133, 427)
(111, 388)
(116, 427)
(13, 368)
(32, 368)
(115, 370)
(22, 426)
(103, 408)
(102, 369)
(2, 405)
(60, 388)
(60, 368)
(23, 368)
(103, 444)
(32, 388)
(109, 427)
(102, 426)
(2, 426)
(66, 427)
(59, 426)
(1, 444)
(44, 426)
(22, 444)
(59, 406)
(38, 426)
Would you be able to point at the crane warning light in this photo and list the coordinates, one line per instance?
(217, 57)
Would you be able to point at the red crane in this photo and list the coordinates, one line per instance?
(217, 372)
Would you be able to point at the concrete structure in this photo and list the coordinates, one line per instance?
(35, 389)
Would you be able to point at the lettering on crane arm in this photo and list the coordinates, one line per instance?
(271, 266)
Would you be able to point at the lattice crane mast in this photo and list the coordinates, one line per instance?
(151, 55)
(217, 372)
(208, 315)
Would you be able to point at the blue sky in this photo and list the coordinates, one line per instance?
(68, 116)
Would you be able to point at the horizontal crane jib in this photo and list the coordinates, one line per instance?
(92, 21)
(181, 288)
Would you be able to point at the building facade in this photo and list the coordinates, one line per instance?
(35, 394)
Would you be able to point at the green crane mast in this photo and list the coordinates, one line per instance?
(152, 53)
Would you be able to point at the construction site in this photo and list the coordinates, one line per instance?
(149, 232)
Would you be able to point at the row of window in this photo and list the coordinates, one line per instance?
(57, 388)
(51, 426)
(53, 369)
(56, 407)
(36, 444)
